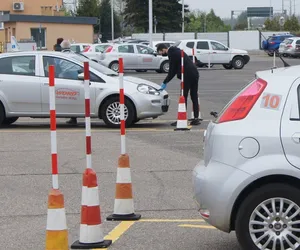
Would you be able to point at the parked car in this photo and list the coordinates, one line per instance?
(249, 179)
(95, 50)
(214, 52)
(136, 57)
(167, 43)
(24, 90)
(273, 42)
(79, 47)
(290, 47)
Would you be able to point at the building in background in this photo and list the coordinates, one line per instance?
(42, 21)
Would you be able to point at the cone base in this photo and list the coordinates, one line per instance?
(126, 217)
(103, 244)
(182, 129)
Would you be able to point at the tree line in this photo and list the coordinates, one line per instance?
(131, 16)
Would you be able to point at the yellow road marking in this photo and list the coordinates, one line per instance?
(170, 220)
(117, 232)
(197, 226)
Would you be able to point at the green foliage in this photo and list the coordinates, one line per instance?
(292, 24)
(272, 24)
(105, 21)
(167, 12)
(242, 22)
(88, 8)
(201, 22)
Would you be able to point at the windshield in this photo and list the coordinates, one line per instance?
(177, 43)
(97, 66)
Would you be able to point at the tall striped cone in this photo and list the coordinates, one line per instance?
(192, 113)
(123, 207)
(57, 233)
(91, 231)
(182, 123)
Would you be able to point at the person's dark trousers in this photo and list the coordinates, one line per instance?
(191, 85)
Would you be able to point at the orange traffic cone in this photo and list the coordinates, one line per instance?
(182, 123)
(91, 232)
(123, 207)
(57, 233)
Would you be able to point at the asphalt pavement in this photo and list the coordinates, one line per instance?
(161, 163)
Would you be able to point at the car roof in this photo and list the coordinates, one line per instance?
(291, 72)
(31, 53)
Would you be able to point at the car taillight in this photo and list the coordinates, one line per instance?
(86, 49)
(108, 49)
(272, 42)
(244, 102)
(289, 46)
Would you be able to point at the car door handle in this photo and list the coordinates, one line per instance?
(296, 138)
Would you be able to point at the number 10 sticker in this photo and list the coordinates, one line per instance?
(271, 101)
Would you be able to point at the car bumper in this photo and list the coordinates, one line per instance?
(148, 106)
(215, 190)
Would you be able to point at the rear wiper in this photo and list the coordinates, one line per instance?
(214, 114)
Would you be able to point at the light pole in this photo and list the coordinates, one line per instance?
(182, 16)
(112, 19)
(150, 22)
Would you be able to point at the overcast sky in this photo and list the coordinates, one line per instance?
(224, 9)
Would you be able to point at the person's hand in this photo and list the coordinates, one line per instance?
(162, 87)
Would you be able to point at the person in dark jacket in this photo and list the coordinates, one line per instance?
(57, 46)
(191, 76)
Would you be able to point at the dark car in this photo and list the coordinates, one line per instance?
(272, 43)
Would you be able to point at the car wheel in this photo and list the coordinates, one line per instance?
(269, 218)
(270, 54)
(110, 112)
(10, 120)
(2, 114)
(165, 66)
(227, 66)
(238, 62)
(114, 66)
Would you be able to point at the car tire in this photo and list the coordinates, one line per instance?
(10, 120)
(2, 114)
(112, 104)
(238, 62)
(264, 195)
(164, 67)
(227, 66)
(114, 66)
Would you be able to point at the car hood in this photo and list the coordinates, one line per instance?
(137, 80)
(239, 51)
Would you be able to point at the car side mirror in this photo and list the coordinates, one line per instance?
(154, 53)
(226, 48)
(81, 76)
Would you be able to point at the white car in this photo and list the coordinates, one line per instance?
(137, 57)
(24, 90)
(167, 43)
(214, 52)
(95, 50)
(249, 179)
(79, 47)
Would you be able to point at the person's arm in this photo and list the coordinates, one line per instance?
(172, 69)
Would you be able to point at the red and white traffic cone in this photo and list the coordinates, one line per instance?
(182, 123)
(91, 232)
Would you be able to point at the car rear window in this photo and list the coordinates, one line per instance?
(203, 45)
(177, 44)
(190, 45)
(288, 41)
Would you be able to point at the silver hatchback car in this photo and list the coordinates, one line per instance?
(24, 90)
(249, 180)
(137, 57)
